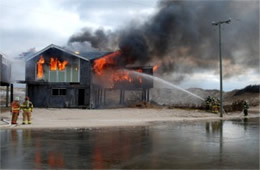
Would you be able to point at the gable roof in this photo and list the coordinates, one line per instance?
(57, 47)
(93, 55)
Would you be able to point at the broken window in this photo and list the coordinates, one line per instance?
(57, 70)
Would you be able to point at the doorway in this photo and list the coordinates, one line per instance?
(81, 97)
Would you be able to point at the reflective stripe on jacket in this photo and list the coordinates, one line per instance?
(27, 106)
(15, 106)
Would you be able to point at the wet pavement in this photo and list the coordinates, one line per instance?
(192, 145)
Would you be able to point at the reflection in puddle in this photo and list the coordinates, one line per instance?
(214, 144)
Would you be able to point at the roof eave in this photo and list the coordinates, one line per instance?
(57, 47)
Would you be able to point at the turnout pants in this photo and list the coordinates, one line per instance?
(27, 115)
(15, 117)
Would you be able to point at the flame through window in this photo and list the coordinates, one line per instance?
(54, 65)
(40, 67)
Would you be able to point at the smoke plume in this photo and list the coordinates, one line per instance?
(180, 36)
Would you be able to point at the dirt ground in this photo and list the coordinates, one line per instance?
(80, 118)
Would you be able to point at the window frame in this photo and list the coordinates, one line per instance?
(60, 92)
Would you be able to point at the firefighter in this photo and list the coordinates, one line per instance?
(218, 105)
(15, 109)
(27, 107)
(245, 108)
(208, 103)
(215, 105)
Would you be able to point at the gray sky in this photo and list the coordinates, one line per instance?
(38, 23)
(27, 24)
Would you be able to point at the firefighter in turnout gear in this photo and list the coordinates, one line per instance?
(27, 107)
(215, 105)
(212, 104)
(245, 108)
(15, 109)
(208, 103)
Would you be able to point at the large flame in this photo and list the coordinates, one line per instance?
(112, 74)
(56, 64)
(40, 68)
(121, 75)
(62, 65)
(109, 59)
(53, 64)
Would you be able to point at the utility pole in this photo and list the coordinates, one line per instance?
(220, 61)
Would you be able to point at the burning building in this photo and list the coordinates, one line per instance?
(57, 77)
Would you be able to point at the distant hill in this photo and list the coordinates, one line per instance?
(173, 96)
(249, 93)
(248, 89)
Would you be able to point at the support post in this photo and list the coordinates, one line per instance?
(123, 96)
(148, 95)
(120, 100)
(12, 93)
(101, 96)
(96, 97)
(104, 96)
(144, 95)
(7, 96)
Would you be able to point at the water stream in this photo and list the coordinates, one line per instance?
(147, 76)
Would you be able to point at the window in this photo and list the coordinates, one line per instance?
(55, 92)
(62, 92)
(61, 76)
(71, 73)
(53, 76)
(75, 73)
(59, 92)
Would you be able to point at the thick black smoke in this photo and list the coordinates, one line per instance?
(180, 35)
(98, 38)
(134, 47)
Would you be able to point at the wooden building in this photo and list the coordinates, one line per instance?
(59, 78)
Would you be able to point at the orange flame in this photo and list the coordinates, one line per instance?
(40, 68)
(62, 65)
(53, 64)
(115, 75)
(155, 68)
(122, 76)
(109, 59)
(56, 64)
